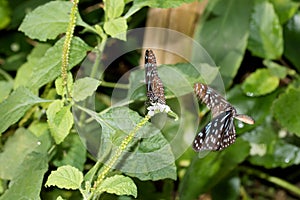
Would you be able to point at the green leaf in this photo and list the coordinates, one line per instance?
(286, 110)
(152, 159)
(39, 128)
(162, 4)
(59, 85)
(26, 165)
(5, 13)
(251, 106)
(24, 73)
(84, 88)
(5, 88)
(285, 9)
(73, 153)
(28, 179)
(54, 108)
(138, 4)
(224, 35)
(15, 106)
(51, 19)
(260, 82)
(149, 158)
(60, 120)
(12, 157)
(49, 67)
(113, 8)
(116, 28)
(292, 40)
(211, 169)
(268, 150)
(119, 185)
(266, 39)
(66, 177)
(282, 155)
(278, 70)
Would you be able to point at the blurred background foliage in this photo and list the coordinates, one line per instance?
(255, 44)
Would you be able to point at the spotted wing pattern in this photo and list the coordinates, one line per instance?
(220, 132)
(213, 100)
(154, 85)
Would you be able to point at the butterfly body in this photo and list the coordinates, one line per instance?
(154, 85)
(220, 132)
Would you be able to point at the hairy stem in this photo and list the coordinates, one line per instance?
(115, 158)
(67, 44)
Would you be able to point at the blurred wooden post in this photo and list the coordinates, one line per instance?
(182, 19)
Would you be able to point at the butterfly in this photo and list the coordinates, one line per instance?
(154, 85)
(220, 132)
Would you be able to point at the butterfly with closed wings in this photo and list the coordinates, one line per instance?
(154, 85)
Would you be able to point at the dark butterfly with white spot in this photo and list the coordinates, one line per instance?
(154, 85)
(220, 132)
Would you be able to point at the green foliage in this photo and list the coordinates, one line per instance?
(270, 32)
(116, 27)
(268, 150)
(119, 185)
(28, 179)
(60, 89)
(113, 8)
(48, 121)
(48, 67)
(24, 166)
(84, 87)
(72, 153)
(278, 70)
(67, 177)
(5, 88)
(5, 13)
(285, 9)
(138, 4)
(253, 87)
(60, 120)
(212, 167)
(219, 33)
(265, 38)
(14, 157)
(25, 72)
(292, 41)
(153, 151)
(51, 19)
(288, 118)
(15, 106)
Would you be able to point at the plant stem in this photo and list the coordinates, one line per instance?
(278, 181)
(95, 67)
(118, 153)
(67, 44)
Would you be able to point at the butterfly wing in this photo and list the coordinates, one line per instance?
(154, 85)
(218, 134)
(213, 100)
